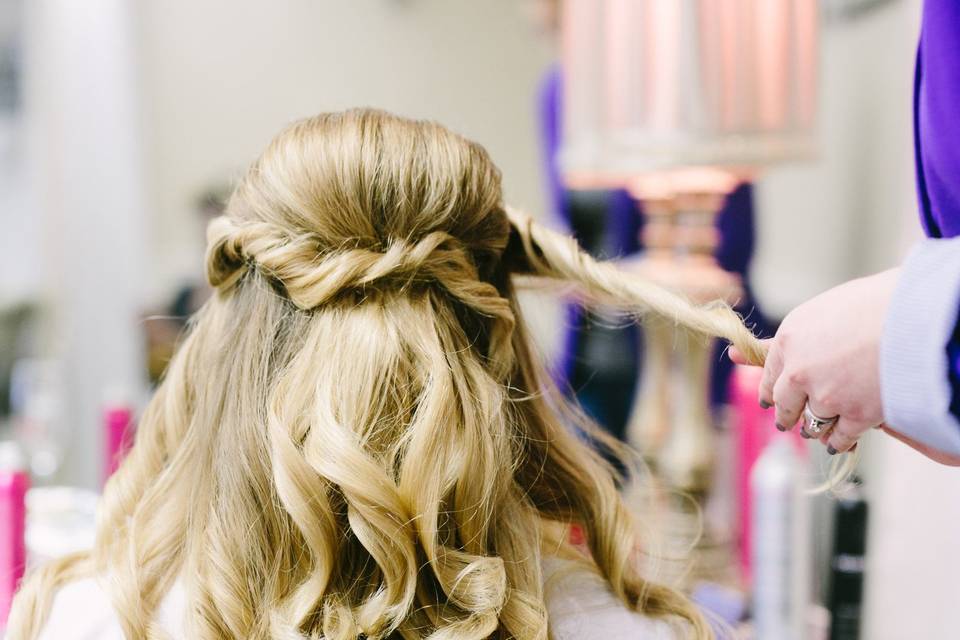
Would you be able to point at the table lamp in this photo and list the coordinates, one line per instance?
(680, 101)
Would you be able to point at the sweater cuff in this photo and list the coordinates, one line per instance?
(914, 367)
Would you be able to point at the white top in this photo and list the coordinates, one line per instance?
(82, 611)
(580, 605)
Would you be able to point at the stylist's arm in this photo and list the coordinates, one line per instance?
(878, 351)
(885, 350)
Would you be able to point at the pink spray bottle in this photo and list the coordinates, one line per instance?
(117, 435)
(14, 482)
(753, 429)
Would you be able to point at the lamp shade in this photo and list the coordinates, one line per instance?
(652, 85)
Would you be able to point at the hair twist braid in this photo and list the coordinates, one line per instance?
(312, 277)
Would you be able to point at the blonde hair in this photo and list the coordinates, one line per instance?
(354, 438)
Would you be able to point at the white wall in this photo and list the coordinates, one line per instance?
(19, 238)
(222, 77)
(852, 210)
(84, 180)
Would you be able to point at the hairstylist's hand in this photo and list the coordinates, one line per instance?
(827, 353)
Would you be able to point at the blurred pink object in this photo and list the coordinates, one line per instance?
(118, 437)
(14, 483)
(753, 428)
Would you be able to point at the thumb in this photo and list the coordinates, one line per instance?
(737, 356)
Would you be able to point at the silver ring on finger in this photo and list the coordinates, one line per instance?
(814, 424)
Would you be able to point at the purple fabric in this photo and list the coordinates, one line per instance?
(736, 228)
(550, 104)
(937, 138)
(937, 118)
(953, 357)
(550, 118)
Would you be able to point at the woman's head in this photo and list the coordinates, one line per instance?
(362, 206)
(353, 438)
(367, 180)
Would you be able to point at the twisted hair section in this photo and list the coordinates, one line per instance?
(312, 277)
(355, 437)
(549, 254)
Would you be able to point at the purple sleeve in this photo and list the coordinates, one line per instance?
(936, 121)
(937, 141)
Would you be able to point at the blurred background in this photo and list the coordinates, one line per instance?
(123, 125)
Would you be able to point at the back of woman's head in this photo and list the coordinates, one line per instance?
(353, 439)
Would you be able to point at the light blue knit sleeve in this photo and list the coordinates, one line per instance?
(914, 365)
